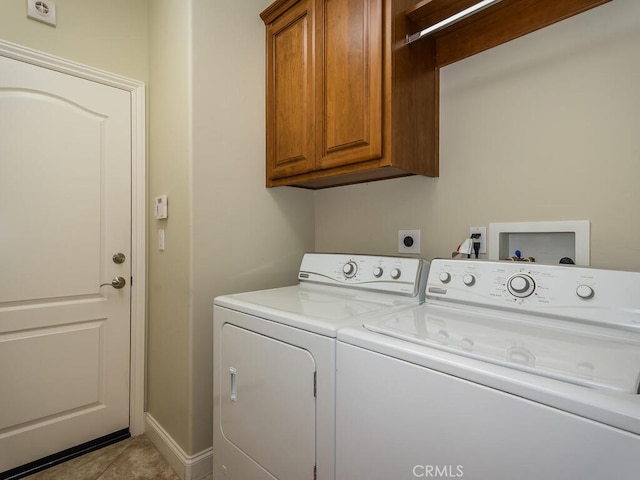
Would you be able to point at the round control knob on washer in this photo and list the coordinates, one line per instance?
(445, 277)
(585, 292)
(521, 285)
(395, 273)
(469, 280)
(377, 272)
(349, 269)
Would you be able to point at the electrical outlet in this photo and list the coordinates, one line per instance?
(483, 237)
(408, 241)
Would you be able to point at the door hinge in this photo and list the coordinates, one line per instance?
(131, 282)
(315, 472)
(315, 384)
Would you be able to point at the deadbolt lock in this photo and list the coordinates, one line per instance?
(118, 257)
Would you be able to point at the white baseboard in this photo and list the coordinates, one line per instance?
(188, 467)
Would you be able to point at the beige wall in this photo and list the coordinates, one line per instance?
(111, 35)
(225, 231)
(542, 128)
(169, 277)
(245, 237)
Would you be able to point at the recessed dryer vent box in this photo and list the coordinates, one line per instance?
(547, 242)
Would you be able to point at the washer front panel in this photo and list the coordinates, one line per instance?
(398, 420)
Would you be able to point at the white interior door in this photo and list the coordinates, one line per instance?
(65, 210)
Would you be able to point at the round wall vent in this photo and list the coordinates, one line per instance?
(42, 8)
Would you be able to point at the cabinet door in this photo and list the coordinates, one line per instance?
(290, 92)
(349, 57)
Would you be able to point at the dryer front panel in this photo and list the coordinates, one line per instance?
(268, 404)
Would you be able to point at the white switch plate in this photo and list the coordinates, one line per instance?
(42, 11)
(161, 207)
(483, 237)
(409, 241)
(161, 240)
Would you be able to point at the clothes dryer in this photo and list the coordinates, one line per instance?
(274, 362)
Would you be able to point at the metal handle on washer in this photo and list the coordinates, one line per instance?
(234, 384)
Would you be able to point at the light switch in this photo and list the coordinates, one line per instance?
(161, 240)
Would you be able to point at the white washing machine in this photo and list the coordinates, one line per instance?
(274, 362)
(507, 371)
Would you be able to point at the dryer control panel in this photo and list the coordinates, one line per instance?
(395, 275)
(589, 294)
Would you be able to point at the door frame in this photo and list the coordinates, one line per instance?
(138, 207)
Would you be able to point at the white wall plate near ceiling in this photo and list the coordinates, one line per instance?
(42, 11)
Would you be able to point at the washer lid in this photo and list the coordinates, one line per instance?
(588, 355)
(315, 308)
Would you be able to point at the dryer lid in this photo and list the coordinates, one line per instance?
(315, 308)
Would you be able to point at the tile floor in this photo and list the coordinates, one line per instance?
(132, 459)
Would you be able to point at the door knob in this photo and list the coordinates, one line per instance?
(117, 282)
(118, 257)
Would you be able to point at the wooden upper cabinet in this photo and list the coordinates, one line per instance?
(347, 101)
(349, 80)
(290, 94)
(350, 101)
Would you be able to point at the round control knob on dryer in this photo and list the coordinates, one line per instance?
(521, 285)
(395, 273)
(585, 292)
(469, 280)
(349, 269)
(445, 277)
(377, 272)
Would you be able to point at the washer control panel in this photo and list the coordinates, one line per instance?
(400, 275)
(595, 295)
